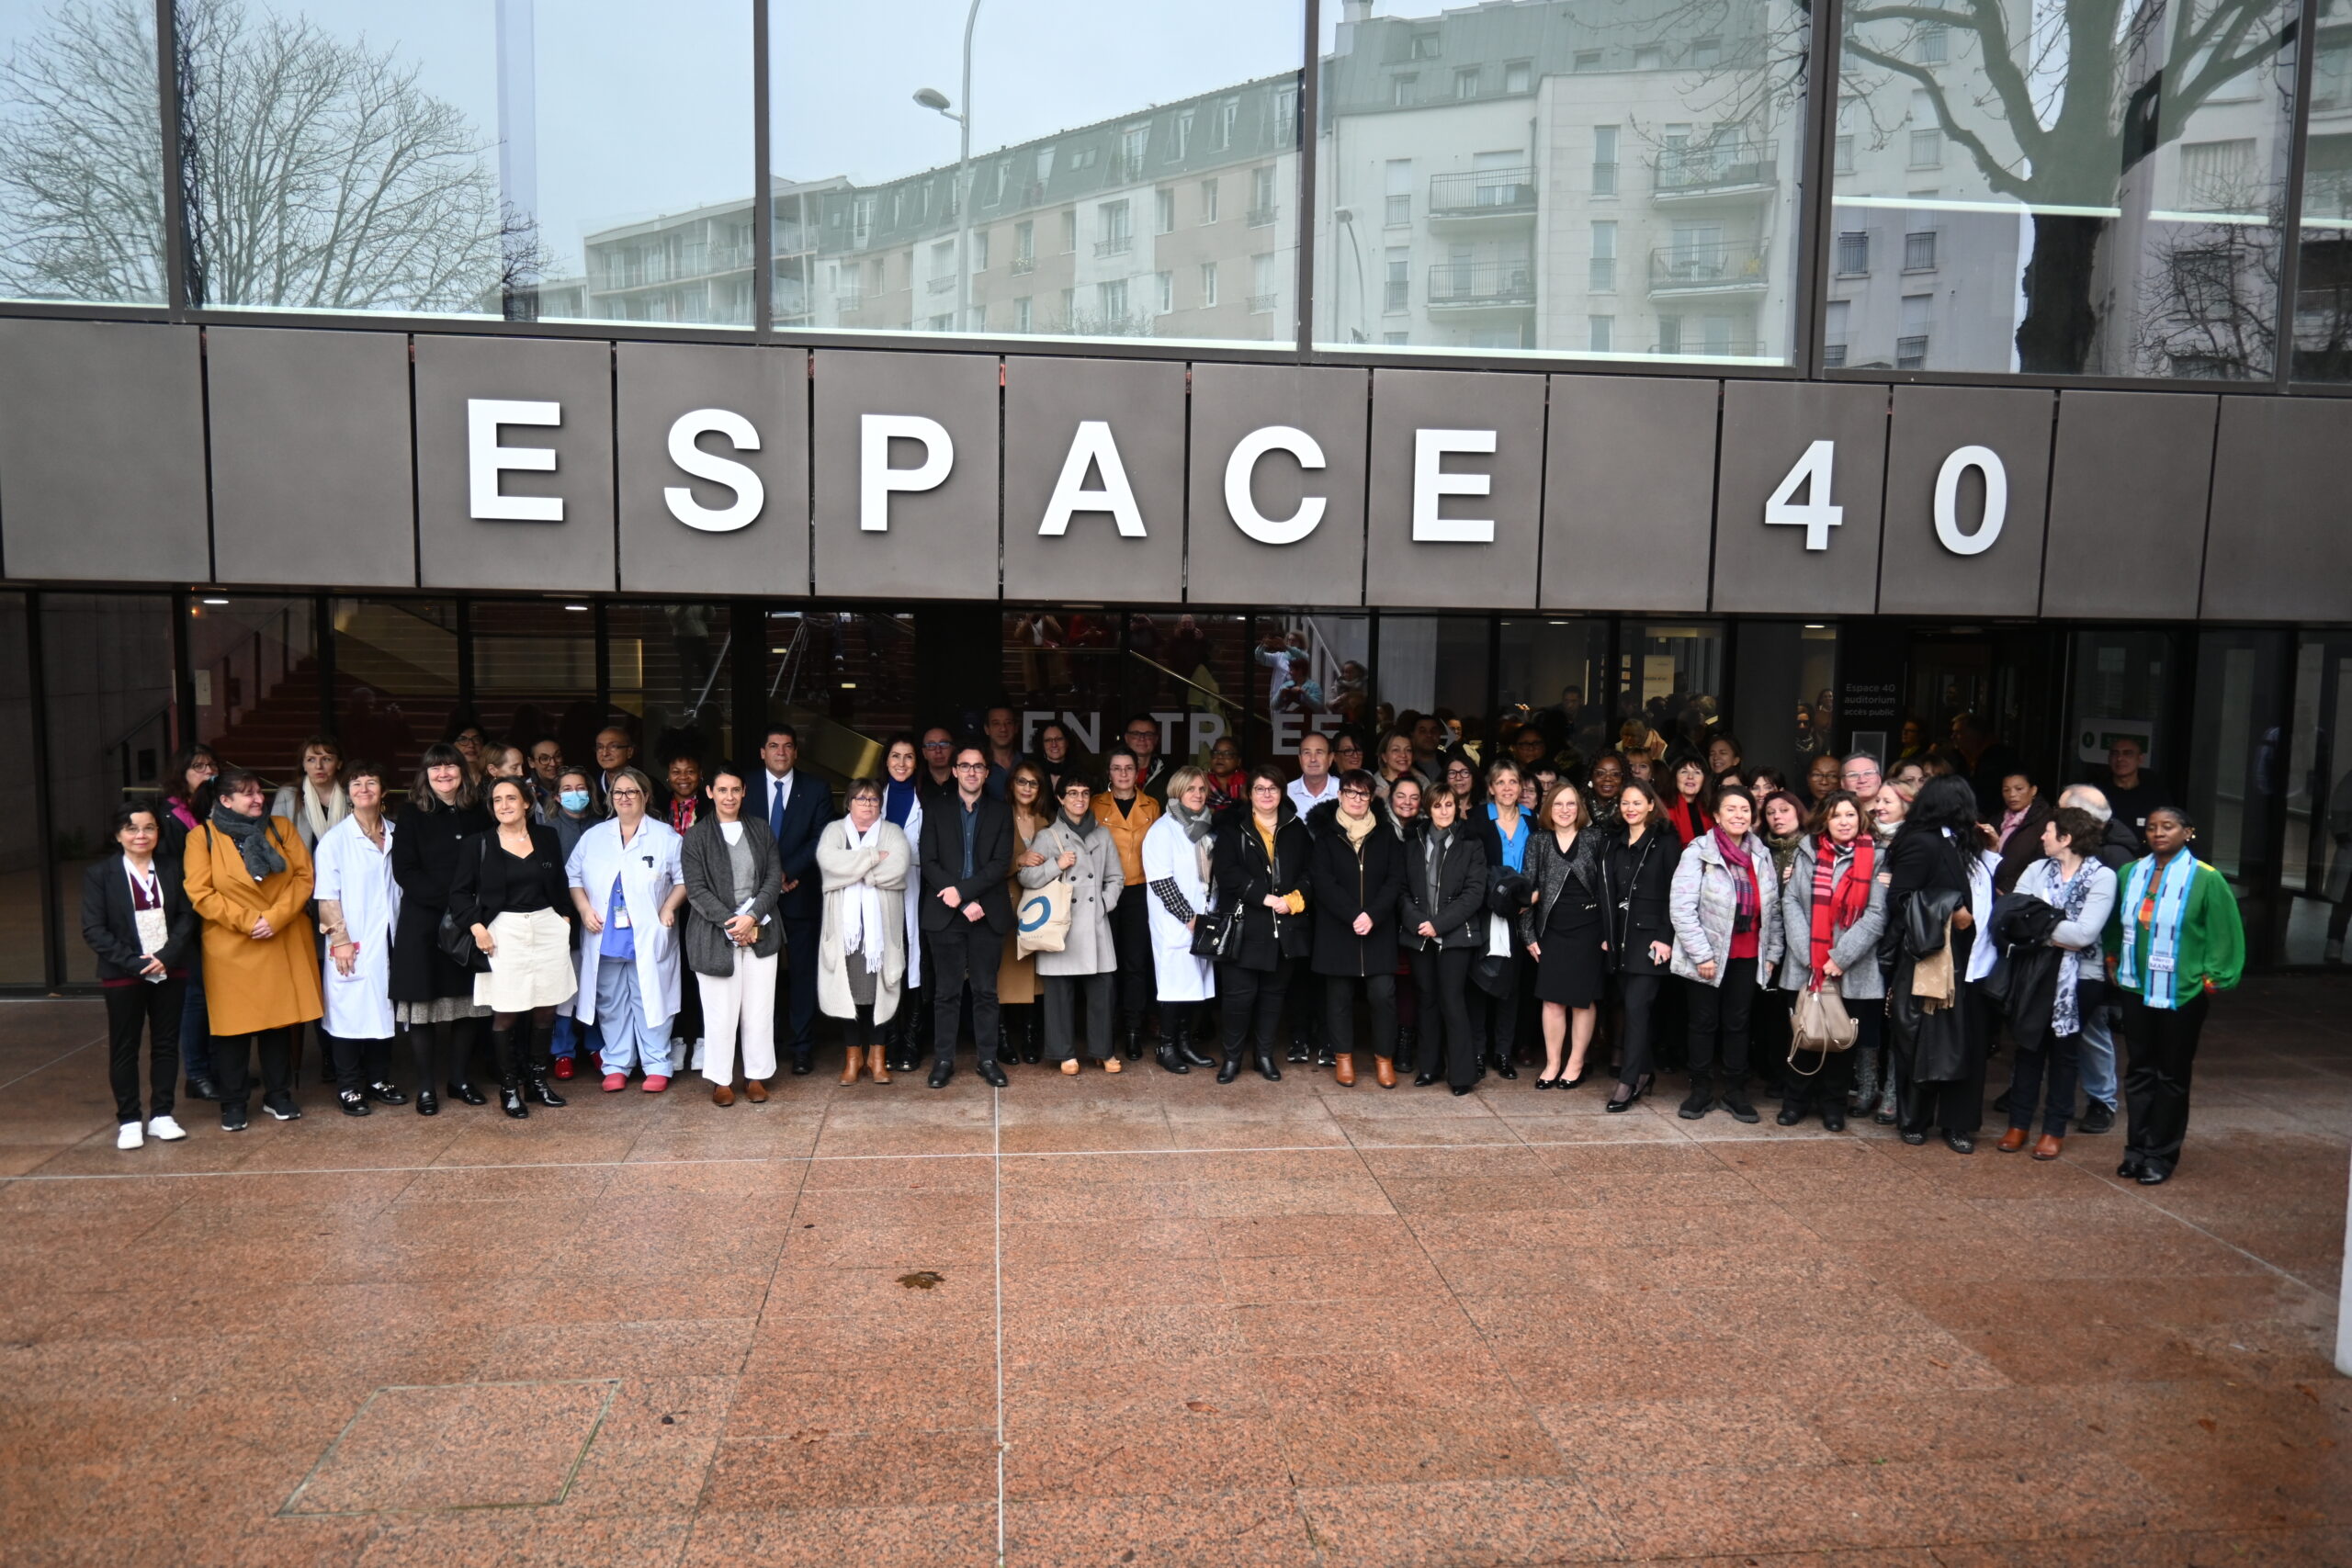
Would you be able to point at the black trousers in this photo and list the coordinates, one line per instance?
(1818, 1079)
(2162, 1046)
(796, 1000)
(1956, 1106)
(1061, 992)
(1719, 1019)
(1637, 995)
(358, 1063)
(1442, 978)
(965, 949)
(1251, 1002)
(153, 1006)
(233, 1055)
(685, 1026)
(1131, 939)
(1339, 1012)
(1500, 1022)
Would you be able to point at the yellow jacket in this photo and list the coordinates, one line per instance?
(1127, 831)
(251, 985)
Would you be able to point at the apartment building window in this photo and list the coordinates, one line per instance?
(1845, 154)
(1670, 334)
(1518, 75)
(1400, 88)
(2217, 177)
(1023, 314)
(1286, 112)
(1919, 250)
(1164, 285)
(1399, 189)
(1425, 46)
(1397, 287)
(1114, 224)
(1927, 149)
(1183, 147)
(1261, 196)
(1649, 57)
(1025, 245)
(1854, 252)
(1208, 201)
(1706, 54)
(1934, 42)
(1208, 284)
(943, 265)
(1465, 82)
(1604, 159)
(1133, 144)
(1835, 324)
(860, 220)
(1163, 210)
(1396, 340)
(1587, 60)
(1228, 115)
(1911, 347)
(979, 250)
(943, 323)
(1601, 334)
(1603, 278)
(1265, 282)
(849, 285)
(1069, 310)
(1111, 298)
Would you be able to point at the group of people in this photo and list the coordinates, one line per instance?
(1857, 941)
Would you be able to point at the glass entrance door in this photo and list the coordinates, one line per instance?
(2316, 870)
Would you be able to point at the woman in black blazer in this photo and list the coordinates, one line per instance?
(1640, 862)
(1259, 859)
(1441, 922)
(433, 998)
(136, 918)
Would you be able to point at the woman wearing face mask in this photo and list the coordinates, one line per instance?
(1504, 834)
(1258, 864)
(358, 903)
(1686, 806)
(1017, 989)
(1176, 872)
(1441, 918)
(1833, 909)
(908, 1035)
(571, 811)
(1726, 908)
(511, 892)
(1565, 932)
(1358, 872)
(864, 860)
(1639, 868)
(2177, 940)
(433, 998)
(1078, 848)
(137, 919)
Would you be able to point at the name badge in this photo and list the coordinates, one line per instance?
(620, 918)
(2161, 962)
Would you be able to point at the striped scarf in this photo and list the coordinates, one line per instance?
(2161, 912)
(1837, 900)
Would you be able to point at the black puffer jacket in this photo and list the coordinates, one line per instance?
(1455, 902)
(1238, 867)
(1348, 880)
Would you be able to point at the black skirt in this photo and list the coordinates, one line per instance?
(1570, 971)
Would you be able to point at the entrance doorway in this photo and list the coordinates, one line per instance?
(2316, 870)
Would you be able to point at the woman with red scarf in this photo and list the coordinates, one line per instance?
(1833, 907)
(1685, 798)
(1727, 909)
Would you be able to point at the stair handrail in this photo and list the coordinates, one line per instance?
(703, 696)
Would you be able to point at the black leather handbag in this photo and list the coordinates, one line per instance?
(1217, 935)
(456, 938)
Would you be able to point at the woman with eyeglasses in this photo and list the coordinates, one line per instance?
(1609, 777)
(1639, 861)
(1565, 930)
(1018, 991)
(1176, 874)
(1442, 922)
(358, 905)
(433, 997)
(1727, 909)
(1076, 848)
(1258, 864)
(908, 1031)
(1460, 776)
(864, 860)
(1127, 814)
(1357, 876)
(628, 884)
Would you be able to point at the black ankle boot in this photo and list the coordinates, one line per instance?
(1700, 1099)
(1131, 1042)
(1232, 1068)
(1500, 1062)
(1033, 1048)
(1166, 1055)
(535, 1071)
(1192, 1054)
(510, 1077)
(1266, 1068)
(1408, 1049)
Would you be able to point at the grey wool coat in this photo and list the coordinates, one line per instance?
(708, 873)
(886, 862)
(1096, 883)
(1703, 904)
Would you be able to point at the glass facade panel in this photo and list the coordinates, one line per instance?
(1607, 162)
(2238, 721)
(2103, 184)
(1433, 665)
(1554, 675)
(669, 674)
(1193, 673)
(81, 155)
(844, 681)
(534, 673)
(396, 679)
(1673, 681)
(2323, 320)
(1313, 673)
(21, 959)
(1021, 211)
(2316, 871)
(254, 663)
(468, 158)
(1786, 669)
(107, 680)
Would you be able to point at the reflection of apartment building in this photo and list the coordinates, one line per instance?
(1561, 175)
(2323, 276)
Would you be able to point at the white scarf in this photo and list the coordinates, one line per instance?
(324, 814)
(862, 928)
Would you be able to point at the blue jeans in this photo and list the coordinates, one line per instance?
(629, 1040)
(2097, 1055)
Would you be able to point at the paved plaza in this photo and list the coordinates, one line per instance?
(1146, 1320)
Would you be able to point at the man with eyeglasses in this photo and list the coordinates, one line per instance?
(545, 779)
(967, 854)
(1141, 734)
(797, 806)
(1861, 775)
(936, 779)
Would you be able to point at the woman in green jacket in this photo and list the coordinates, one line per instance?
(2175, 940)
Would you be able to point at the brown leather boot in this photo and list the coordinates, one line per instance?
(2012, 1141)
(848, 1068)
(876, 1068)
(1345, 1064)
(1384, 1071)
(2049, 1146)
(755, 1091)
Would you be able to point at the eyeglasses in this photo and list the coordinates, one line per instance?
(971, 767)
(627, 794)
(934, 745)
(1143, 735)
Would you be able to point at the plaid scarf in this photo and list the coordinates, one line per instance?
(1746, 903)
(1837, 900)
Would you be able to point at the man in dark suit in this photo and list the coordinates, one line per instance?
(797, 806)
(967, 853)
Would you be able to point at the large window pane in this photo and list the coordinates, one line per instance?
(2316, 871)
(1785, 668)
(1433, 664)
(1129, 175)
(395, 679)
(2323, 284)
(1572, 180)
(1312, 673)
(106, 694)
(21, 922)
(2091, 190)
(669, 675)
(460, 157)
(535, 674)
(254, 662)
(844, 681)
(1673, 680)
(81, 154)
(1554, 675)
(2233, 784)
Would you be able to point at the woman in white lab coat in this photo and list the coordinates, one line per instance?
(1176, 874)
(627, 883)
(358, 902)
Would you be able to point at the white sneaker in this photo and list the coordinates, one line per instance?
(167, 1130)
(695, 1062)
(129, 1135)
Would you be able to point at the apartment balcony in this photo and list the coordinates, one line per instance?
(1482, 196)
(1716, 169)
(1457, 287)
(940, 285)
(1022, 265)
(1116, 245)
(1707, 269)
(1262, 217)
(1722, 348)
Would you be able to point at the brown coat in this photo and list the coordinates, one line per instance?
(1127, 831)
(251, 985)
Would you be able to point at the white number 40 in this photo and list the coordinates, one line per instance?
(1817, 515)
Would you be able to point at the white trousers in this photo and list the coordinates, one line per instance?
(746, 997)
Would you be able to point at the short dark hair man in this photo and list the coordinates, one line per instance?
(967, 854)
(796, 806)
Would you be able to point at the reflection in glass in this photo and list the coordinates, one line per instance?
(1548, 176)
(844, 681)
(81, 154)
(461, 157)
(1311, 673)
(669, 674)
(1673, 683)
(2316, 870)
(2089, 189)
(255, 665)
(1434, 664)
(20, 921)
(395, 679)
(2324, 282)
(534, 675)
(1141, 190)
(1554, 675)
(1784, 669)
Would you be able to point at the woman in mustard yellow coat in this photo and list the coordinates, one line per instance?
(249, 877)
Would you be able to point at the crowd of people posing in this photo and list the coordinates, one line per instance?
(1848, 943)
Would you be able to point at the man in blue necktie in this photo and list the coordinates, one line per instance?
(798, 806)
